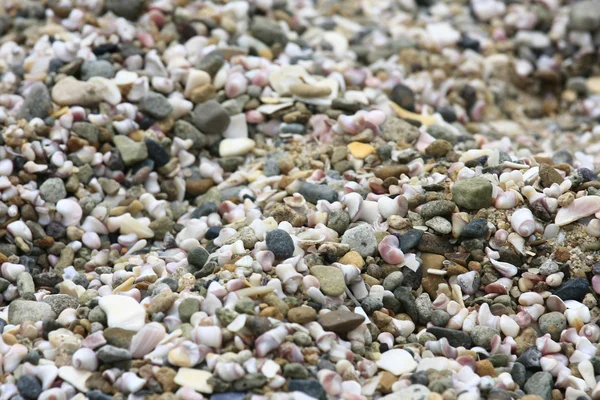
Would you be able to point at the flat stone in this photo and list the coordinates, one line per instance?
(540, 383)
(313, 193)
(472, 193)
(455, 338)
(60, 302)
(362, 239)
(340, 321)
(131, 151)
(573, 289)
(330, 278)
(20, 311)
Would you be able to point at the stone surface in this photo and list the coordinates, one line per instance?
(20, 311)
(340, 321)
(472, 193)
(362, 239)
(330, 278)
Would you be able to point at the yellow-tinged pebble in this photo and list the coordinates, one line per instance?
(59, 113)
(360, 150)
(593, 84)
(402, 113)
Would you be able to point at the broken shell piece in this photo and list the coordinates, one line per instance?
(580, 208)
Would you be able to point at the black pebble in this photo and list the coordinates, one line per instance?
(467, 42)
(448, 114)
(410, 239)
(105, 48)
(477, 228)
(157, 153)
(212, 232)
(574, 289)
(404, 97)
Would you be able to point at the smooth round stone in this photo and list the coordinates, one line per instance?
(302, 315)
(92, 68)
(362, 239)
(198, 257)
(439, 318)
(213, 232)
(280, 243)
(472, 194)
(393, 280)
(404, 97)
(155, 105)
(553, 323)
(29, 387)
(211, 118)
(313, 192)
(187, 308)
(540, 383)
(371, 304)
(129, 9)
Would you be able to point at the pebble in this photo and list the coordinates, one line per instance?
(331, 279)
(280, 243)
(24, 310)
(310, 387)
(574, 289)
(362, 239)
(155, 105)
(340, 321)
(236, 147)
(553, 323)
(131, 151)
(302, 315)
(456, 338)
(211, 118)
(37, 103)
(92, 68)
(198, 257)
(53, 190)
(472, 194)
(478, 228)
(540, 383)
(313, 192)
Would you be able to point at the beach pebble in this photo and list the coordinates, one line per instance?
(280, 243)
(155, 105)
(362, 239)
(331, 279)
(340, 321)
(24, 310)
(210, 118)
(131, 151)
(472, 194)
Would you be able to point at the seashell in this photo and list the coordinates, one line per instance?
(591, 332)
(580, 208)
(530, 298)
(522, 222)
(555, 303)
(86, 359)
(456, 322)
(501, 286)
(290, 352)
(270, 340)
(229, 371)
(324, 339)
(331, 381)
(389, 249)
(546, 345)
(208, 335)
(19, 229)
(486, 318)
(289, 277)
(146, 339)
(13, 358)
(506, 269)
(535, 311)
(70, 211)
(509, 326)
(187, 354)
(470, 322)
(130, 383)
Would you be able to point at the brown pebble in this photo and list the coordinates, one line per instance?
(340, 321)
(198, 186)
(485, 368)
(302, 315)
(549, 175)
(562, 254)
(438, 148)
(353, 258)
(386, 380)
(389, 171)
